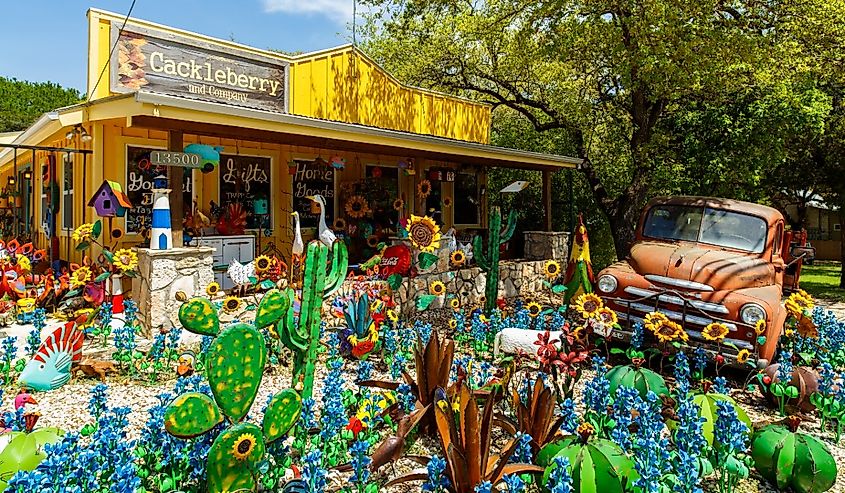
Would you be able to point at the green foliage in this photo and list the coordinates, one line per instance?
(793, 460)
(22, 102)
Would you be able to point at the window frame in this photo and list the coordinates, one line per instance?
(70, 158)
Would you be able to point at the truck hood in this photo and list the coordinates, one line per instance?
(719, 269)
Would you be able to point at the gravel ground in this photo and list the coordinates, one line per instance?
(66, 408)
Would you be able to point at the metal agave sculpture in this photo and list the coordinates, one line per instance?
(536, 416)
(235, 365)
(467, 439)
(433, 364)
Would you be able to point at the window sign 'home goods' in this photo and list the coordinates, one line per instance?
(153, 61)
(245, 180)
(312, 178)
(139, 185)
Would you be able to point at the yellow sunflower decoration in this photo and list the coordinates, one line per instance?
(437, 288)
(424, 233)
(607, 316)
(458, 258)
(80, 276)
(262, 264)
(392, 315)
(666, 330)
(453, 324)
(243, 446)
(372, 241)
(552, 269)
(588, 305)
(534, 309)
(424, 189)
(715, 332)
(231, 304)
(455, 303)
(212, 289)
(339, 224)
(83, 232)
(447, 202)
(125, 260)
(798, 303)
(742, 356)
(356, 207)
(398, 205)
(760, 327)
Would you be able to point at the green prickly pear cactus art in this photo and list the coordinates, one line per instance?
(235, 366)
(489, 262)
(300, 332)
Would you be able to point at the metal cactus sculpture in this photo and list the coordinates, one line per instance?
(235, 365)
(301, 332)
(489, 262)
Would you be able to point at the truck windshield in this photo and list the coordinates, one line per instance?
(704, 225)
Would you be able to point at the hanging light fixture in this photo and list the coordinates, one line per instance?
(79, 130)
(12, 180)
(27, 175)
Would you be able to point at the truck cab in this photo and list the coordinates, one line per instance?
(700, 260)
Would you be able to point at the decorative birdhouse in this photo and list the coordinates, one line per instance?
(109, 200)
(259, 206)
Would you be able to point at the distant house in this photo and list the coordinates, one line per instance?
(823, 223)
(109, 200)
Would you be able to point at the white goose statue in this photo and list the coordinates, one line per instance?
(298, 246)
(327, 236)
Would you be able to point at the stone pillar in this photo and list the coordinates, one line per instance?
(161, 274)
(547, 245)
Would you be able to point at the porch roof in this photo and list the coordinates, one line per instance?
(148, 110)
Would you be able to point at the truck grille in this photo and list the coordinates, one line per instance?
(676, 300)
(679, 283)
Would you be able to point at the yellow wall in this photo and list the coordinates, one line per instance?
(341, 84)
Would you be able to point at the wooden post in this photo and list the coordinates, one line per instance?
(547, 200)
(175, 178)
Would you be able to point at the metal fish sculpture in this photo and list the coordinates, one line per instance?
(49, 369)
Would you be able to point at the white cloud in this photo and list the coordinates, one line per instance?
(339, 11)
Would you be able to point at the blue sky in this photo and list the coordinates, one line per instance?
(43, 40)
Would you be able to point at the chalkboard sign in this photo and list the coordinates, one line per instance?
(244, 179)
(312, 178)
(139, 185)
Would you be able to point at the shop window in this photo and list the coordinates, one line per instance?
(366, 206)
(434, 202)
(139, 185)
(246, 180)
(67, 192)
(467, 207)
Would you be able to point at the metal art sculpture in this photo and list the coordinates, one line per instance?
(235, 365)
(301, 334)
(489, 261)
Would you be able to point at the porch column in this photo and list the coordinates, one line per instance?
(547, 200)
(175, 177)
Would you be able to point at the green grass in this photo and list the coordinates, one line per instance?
(822, 281)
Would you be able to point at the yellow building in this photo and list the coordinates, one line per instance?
(331, 122)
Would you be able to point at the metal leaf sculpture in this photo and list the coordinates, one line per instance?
(466, 437)
(433, 364)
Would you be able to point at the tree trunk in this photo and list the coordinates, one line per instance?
(842, 245)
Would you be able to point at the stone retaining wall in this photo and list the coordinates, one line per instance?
(516, 278)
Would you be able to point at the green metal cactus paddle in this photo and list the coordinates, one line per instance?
(199, 316)
(191, 415)
(235, 364)
(232, 459)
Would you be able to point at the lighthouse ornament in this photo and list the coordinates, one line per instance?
(161, 237)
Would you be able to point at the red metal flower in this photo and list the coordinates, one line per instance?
(355, 426)
(362, 349)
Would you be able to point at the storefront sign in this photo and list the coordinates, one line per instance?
(156, 61)
(246, 179)
(312, 178)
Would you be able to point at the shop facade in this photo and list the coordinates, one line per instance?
(283, 128)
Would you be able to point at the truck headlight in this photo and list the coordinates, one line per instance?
(751, 313)
(607, 283)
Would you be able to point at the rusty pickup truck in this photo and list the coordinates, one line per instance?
(703, 259)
